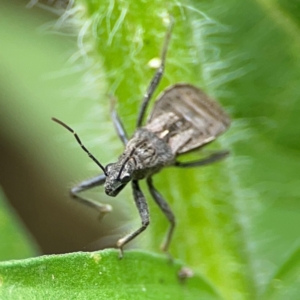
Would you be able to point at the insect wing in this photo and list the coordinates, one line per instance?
(187, 118)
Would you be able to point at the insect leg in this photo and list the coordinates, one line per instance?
(203, 162)
(156, 78)
(86, 185)
(117, 121)
(163, 205)
(142, 207)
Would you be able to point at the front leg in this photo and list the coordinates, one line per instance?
(86, 185)
(163, 205)
(143, 210)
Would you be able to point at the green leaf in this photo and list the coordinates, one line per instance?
(16, 242)
(100, 275)
(285, 283)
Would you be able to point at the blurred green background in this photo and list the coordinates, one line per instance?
(40, 162)
(238, 219)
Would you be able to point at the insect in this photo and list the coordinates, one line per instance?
(183, 118)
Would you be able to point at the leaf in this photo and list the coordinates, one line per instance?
(16, 242)
(285, 283)
(99, 275)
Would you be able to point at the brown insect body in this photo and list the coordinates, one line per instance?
(183, 119)
(145, 154)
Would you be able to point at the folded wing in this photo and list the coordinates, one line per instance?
(187, 118)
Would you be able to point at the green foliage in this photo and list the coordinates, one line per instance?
(99, 275)
(237, 220)
(16, 242)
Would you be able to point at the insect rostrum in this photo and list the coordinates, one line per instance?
(183, 118)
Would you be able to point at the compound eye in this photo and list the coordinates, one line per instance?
(108, 168)
(125, 178)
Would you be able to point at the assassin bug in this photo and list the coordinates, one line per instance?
(183, 118)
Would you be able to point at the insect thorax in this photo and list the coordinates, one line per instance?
(148, 153)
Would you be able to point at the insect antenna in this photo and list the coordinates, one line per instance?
(80, 143)
(127, 159)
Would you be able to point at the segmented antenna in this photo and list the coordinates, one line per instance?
(80, 143)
